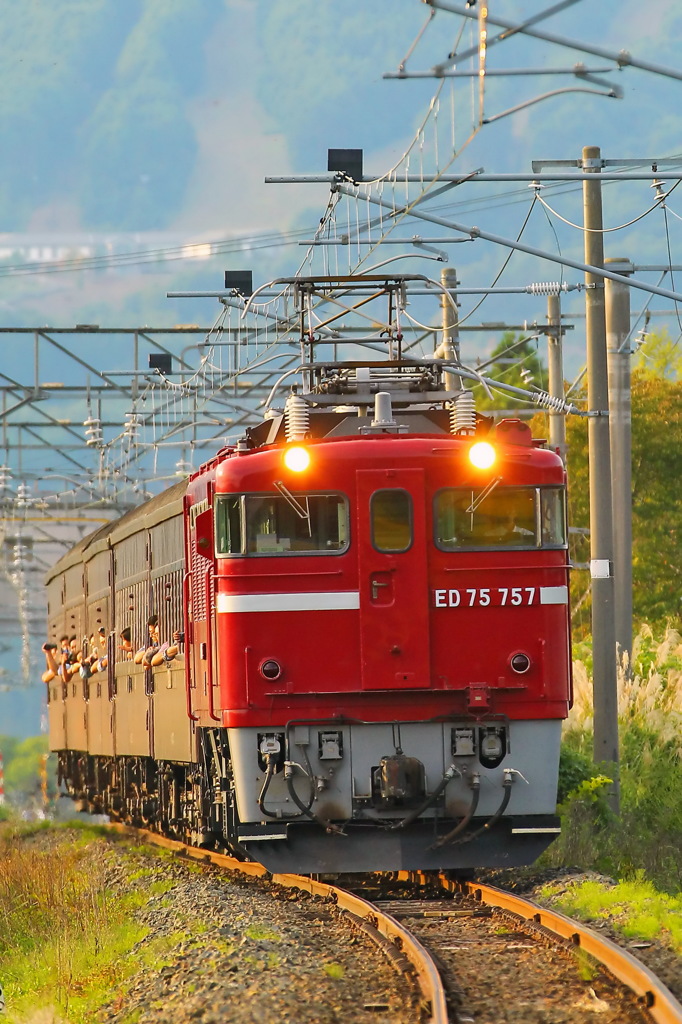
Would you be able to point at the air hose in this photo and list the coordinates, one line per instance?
(270, 765)
(430, 800)
(506, 785)
(476, 789)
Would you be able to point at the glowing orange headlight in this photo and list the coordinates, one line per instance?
(297, 459)
(482, 455)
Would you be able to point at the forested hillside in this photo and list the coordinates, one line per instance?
(98, 109)
(94, 108)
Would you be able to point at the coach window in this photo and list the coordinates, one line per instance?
(391, 520)
(228, 518)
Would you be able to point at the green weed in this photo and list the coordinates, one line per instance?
(336, 971)
(65, 937)
(261, 933)
(636, 908)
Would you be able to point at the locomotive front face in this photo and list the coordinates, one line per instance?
(391, 648)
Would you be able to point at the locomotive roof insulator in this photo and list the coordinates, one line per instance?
(296, 418)
(463, 414)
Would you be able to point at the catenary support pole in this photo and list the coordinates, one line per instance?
(555, 368)
(619, 350)
(449, 343)
(605, 679)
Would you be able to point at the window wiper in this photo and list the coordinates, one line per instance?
(475, 502)
(291, 500)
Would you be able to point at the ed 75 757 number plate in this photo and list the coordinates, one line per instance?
(498, 597)
(482, 597)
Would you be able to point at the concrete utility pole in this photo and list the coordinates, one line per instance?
(620, 405)
(555, 368)
(601, 524)
(449, 344)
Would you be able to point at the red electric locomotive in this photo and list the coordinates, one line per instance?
(377, 659)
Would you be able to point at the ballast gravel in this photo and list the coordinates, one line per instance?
(226, 949)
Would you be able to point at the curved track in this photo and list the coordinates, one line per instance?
(410, 956)
(632, 973)
(404, 950)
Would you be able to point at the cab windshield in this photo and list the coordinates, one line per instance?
(505, 517)
(281, 524)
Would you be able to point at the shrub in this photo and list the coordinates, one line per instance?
(647, 836)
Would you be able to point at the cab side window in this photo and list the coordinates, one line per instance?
(391, 520)
(228, 525)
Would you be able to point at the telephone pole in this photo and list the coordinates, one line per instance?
(605, 679)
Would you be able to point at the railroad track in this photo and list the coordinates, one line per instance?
(478, 953)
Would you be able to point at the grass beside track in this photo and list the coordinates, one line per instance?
(63, 932)
(635, 909)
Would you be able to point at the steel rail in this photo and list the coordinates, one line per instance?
(355, 907)
(660, 1003)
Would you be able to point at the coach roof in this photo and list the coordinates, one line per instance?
(150, 513)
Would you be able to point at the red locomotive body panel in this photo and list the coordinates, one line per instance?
(419, 632)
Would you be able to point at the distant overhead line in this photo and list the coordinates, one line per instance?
(460, 179)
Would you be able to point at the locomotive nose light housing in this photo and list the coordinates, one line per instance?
(271, 669)
(482, 455)
(297, 459)
(520, 663)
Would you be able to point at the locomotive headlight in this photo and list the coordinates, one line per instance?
(270, 669)
(297, 459)
(482, 455)
(520, 662)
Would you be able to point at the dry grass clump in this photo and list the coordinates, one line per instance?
(649, 688)
(43, 894)
(58, 922)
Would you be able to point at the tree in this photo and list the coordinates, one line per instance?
(659, 357)
(518, 363)
(656, 472)
(23, 764)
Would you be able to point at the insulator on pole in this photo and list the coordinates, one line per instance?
(23, 495)
(463, 414)
(296, 418)
(132, 426)
(93, 432)
(548, 401)
(547, 287)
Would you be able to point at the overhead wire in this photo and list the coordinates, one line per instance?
(504, 265)
(672, 274)
(601, 231)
